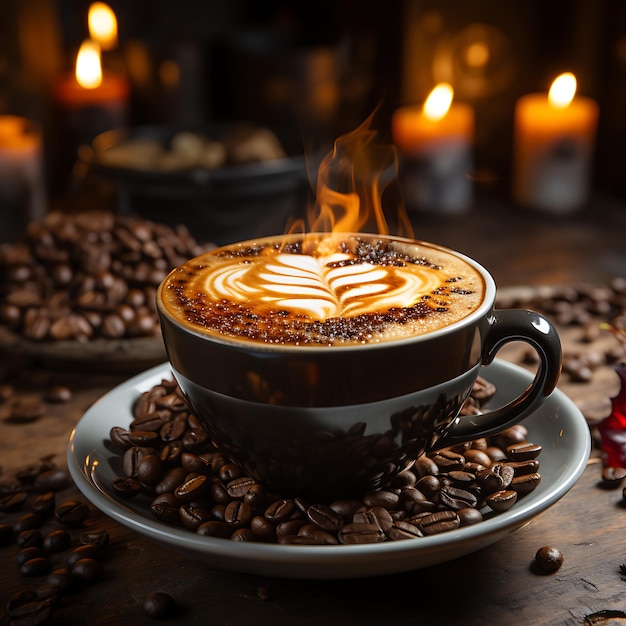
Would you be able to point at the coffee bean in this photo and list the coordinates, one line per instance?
(25, 608)
(324, 517)
(159, 605)
(193, 516)
(58, 394)
(87, 570)
(29, 538)
(72, 513)
(526, 483)
(377, 515)
(57, 541)
(403, 530)
(279, 511)
(165, 508)
(455, 498)
(85, 551)
(237, 514)
(32, 552)
(243, 534)
(43, 503)
(126, 487)
(13, 501)
(53, 479)
(469, 516)
(35, 567)
(360, 532)
(448, 461)
(62, 578)
(194, 487)
(501, 500)
(149, 470)
(214, 528)
(438, 522)
(28, 521)
(548, 559)
(26, 411)
(96, 538)
(171, 480)
(315, 535)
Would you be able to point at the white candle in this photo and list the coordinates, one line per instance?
(435, 144)
(553, 148)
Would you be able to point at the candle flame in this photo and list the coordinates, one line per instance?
(562, 91)
(88, 65)
(102, 25)
(438, 102)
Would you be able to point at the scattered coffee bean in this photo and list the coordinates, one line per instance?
(58, 394)
(548, 559)
(26, 411)
(95, 538)
(35, 567)
(87, 570)
(28, 521)
(72, 513)
(26, 608)
(159, 605)
(13, 501)
(61, 577)
(57, 541)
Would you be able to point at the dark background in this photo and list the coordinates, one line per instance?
(316, 70)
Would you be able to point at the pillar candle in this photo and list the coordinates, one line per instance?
(553, 148)
(435, 144)
(22, 188)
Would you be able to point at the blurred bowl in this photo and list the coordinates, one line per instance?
(221, 204)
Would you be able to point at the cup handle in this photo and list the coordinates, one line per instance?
(505, 326)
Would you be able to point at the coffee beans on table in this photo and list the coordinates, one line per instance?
(196, 487)
(87, 275)
(548, 559)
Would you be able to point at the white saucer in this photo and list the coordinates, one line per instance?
(558, 426)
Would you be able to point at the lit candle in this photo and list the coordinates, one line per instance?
(554, 141)
(435, 144)
(22, 193)
(102, 25)
(95, 100)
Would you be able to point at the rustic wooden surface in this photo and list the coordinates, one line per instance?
(493, 586)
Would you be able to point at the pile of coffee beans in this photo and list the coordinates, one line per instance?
(54, 549)
(169, 461)
(86, 275)
(587, 307)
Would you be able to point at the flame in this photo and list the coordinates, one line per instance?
(352, 179)
(438, 102)
(102, 25)
(88, 65)
(562, 91)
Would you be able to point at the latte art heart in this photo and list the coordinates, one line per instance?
(321, 287)
(332, 290)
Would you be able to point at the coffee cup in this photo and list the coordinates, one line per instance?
(324, 364)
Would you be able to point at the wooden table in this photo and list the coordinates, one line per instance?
(493, 586)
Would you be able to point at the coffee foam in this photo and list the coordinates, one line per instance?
(343, 291)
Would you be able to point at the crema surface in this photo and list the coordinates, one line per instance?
(328, 290)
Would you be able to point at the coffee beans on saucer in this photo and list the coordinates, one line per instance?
(186, 482)
(87, 275)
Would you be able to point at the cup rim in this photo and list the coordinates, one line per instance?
(246, 344)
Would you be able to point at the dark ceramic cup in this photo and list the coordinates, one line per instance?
(329, 422)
